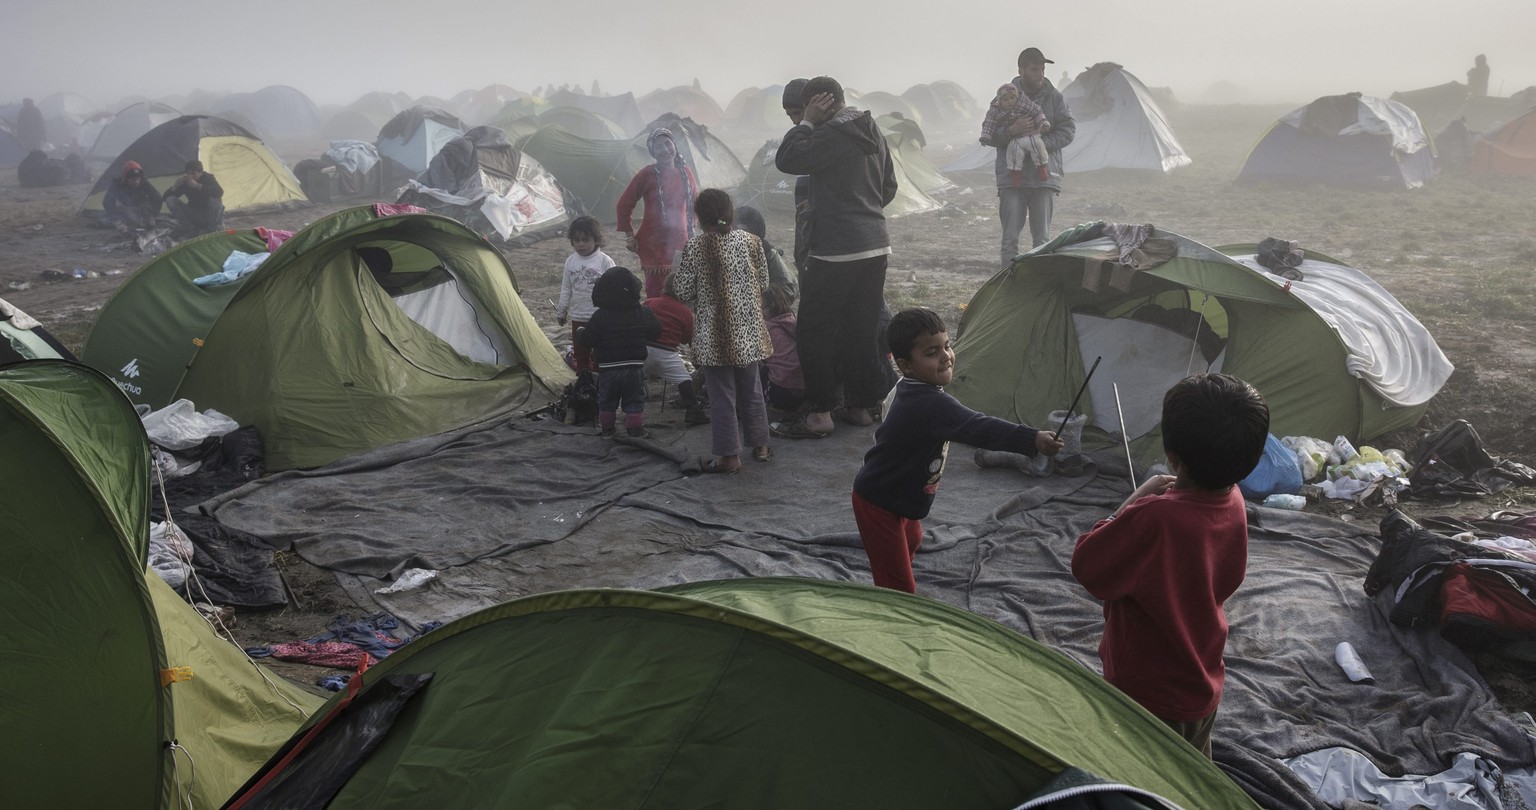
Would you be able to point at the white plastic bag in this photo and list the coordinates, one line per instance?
(178, 426)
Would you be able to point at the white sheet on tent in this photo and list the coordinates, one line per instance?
(527, 204)
(354, 156)
(445, 311)
(1143, 359)
(1378, 116)
(1388, 347)
(424, 144)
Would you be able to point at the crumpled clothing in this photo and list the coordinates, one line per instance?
(338, 654)
(334, 683)
(390, 210)
(274, 238)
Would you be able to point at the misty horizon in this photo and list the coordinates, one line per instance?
(636, 48)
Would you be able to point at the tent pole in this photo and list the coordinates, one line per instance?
(1190, 363)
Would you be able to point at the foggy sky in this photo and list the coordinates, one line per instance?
(336, 51)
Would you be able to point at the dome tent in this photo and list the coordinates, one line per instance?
(1119, 124)
(1333, 353)
(411, 326)
(1510, 151)
(1348, 140)
(126, 126)
(106, 664)
(748, 693)
(252, 176)
(409, 141)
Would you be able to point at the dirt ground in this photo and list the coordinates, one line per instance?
(1459, 253)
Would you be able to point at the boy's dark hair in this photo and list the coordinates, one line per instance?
(193, 166)
(907, 326)
(751, 220)
(1217, 425)
(616, 288)
(819, 85)
(715, 210)
(585, 226)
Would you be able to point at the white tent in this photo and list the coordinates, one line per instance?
(118, 131)
(1119, 125)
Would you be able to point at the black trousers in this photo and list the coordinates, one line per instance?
(835, 331)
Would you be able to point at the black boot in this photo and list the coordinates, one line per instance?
(694, 413)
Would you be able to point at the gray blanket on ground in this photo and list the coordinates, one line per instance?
(529, 507)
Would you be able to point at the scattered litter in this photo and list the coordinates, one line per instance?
(19, 285)
(410, 579)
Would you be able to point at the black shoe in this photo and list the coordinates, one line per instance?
(695, 415)
(637, 433)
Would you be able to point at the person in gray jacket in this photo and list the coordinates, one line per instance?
(1034, 201)
(852, 179)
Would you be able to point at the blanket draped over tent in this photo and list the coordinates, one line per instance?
(997, 544)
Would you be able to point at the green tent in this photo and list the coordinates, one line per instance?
(92, 638)
(252, 176)
(360, 331)
(907, 141)
(1333, 353)
(746, 693)
(596, 172)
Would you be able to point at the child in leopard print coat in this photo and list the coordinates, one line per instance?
(723, 275)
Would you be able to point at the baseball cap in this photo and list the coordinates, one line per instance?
(1034, 55)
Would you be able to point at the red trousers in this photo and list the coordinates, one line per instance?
(890, 540)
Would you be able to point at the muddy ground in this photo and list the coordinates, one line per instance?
(1459, 253)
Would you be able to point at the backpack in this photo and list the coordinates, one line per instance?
(577, 404)
(1452, 463)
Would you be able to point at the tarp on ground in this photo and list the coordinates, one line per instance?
(997, 544)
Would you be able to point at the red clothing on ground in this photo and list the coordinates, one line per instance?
(1164, 568)
(891, 542)
(676, 321)
(662, 233)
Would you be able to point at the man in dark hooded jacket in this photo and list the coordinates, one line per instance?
(842, 288)
(131, 202)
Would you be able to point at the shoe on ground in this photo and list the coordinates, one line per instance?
(637, 433)
(695, 415)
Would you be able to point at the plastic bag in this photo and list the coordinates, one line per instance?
(239, 265)
(178, 426)
(1278, 472)
(1312, 454)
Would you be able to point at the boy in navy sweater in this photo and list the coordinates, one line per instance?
(894, 489)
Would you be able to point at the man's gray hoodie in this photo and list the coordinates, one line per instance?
(852, 180)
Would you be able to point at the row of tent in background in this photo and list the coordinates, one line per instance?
(281, 114)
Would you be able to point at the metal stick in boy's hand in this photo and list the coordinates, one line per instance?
(1080, 390)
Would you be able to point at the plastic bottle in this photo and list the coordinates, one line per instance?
(1280, 500)
(1349, 661)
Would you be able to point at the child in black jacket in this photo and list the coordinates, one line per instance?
(617, 335)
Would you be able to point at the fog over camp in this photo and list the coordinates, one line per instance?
(514, 404)
(1297, 51)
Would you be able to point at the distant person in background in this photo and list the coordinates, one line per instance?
(1033, 202)
(203, 209)
(37, 170)
(31, 132)
(1477, 77)
(751, 220)
(794, 107)
(668, 188)
(131, 202)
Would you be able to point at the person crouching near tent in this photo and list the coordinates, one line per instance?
(723, 276)
(1168, 559)
(668, 188)
(583, 268)
(131, 202)
(783, 384)
(895, 488)
(203, 210)
(664, 358)
(617, 334)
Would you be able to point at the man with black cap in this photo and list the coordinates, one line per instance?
(203, 211)
(1032, 203)
(131, 202)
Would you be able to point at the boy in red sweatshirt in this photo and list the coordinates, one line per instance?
(1167, 560)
